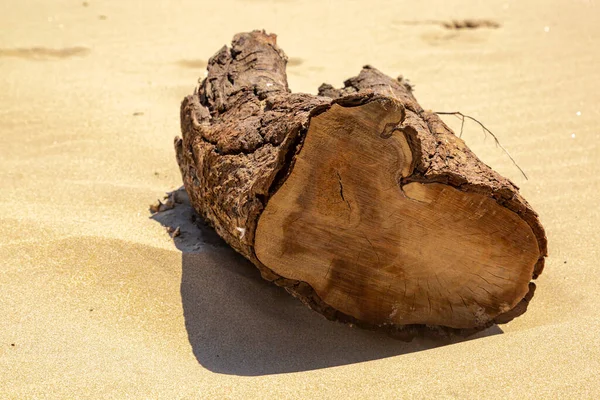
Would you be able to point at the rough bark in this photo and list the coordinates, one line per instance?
(243, 129)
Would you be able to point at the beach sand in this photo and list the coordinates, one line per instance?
(98, 301)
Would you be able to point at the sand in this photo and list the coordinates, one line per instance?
(96, 299)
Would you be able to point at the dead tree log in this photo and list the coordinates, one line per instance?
(359, 202)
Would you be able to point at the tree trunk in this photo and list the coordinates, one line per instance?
(357, 201)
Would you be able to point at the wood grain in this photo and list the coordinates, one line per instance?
(383, 253)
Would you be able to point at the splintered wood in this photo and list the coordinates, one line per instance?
(359, 202)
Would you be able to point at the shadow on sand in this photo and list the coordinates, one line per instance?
(237, 323)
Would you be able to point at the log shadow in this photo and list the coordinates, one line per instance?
(239, 324)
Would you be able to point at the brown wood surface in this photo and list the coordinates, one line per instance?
(357, 201)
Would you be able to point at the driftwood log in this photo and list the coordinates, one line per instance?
(360, 203)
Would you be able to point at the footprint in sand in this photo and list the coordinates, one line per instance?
(294, 62)
(192, 63)
(454, 30)
(44, 53)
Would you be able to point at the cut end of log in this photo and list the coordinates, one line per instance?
(359, 202)
(385, 252)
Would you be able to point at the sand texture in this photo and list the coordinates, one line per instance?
(98, 301)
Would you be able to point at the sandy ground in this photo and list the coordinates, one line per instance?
(98, 302)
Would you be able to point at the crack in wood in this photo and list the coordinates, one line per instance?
(342, 191)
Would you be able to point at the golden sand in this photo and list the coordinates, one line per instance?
(98, 302)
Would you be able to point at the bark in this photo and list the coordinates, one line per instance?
(242, 132)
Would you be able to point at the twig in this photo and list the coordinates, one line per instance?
(462, 116)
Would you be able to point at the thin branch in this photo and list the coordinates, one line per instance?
(485, 130)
